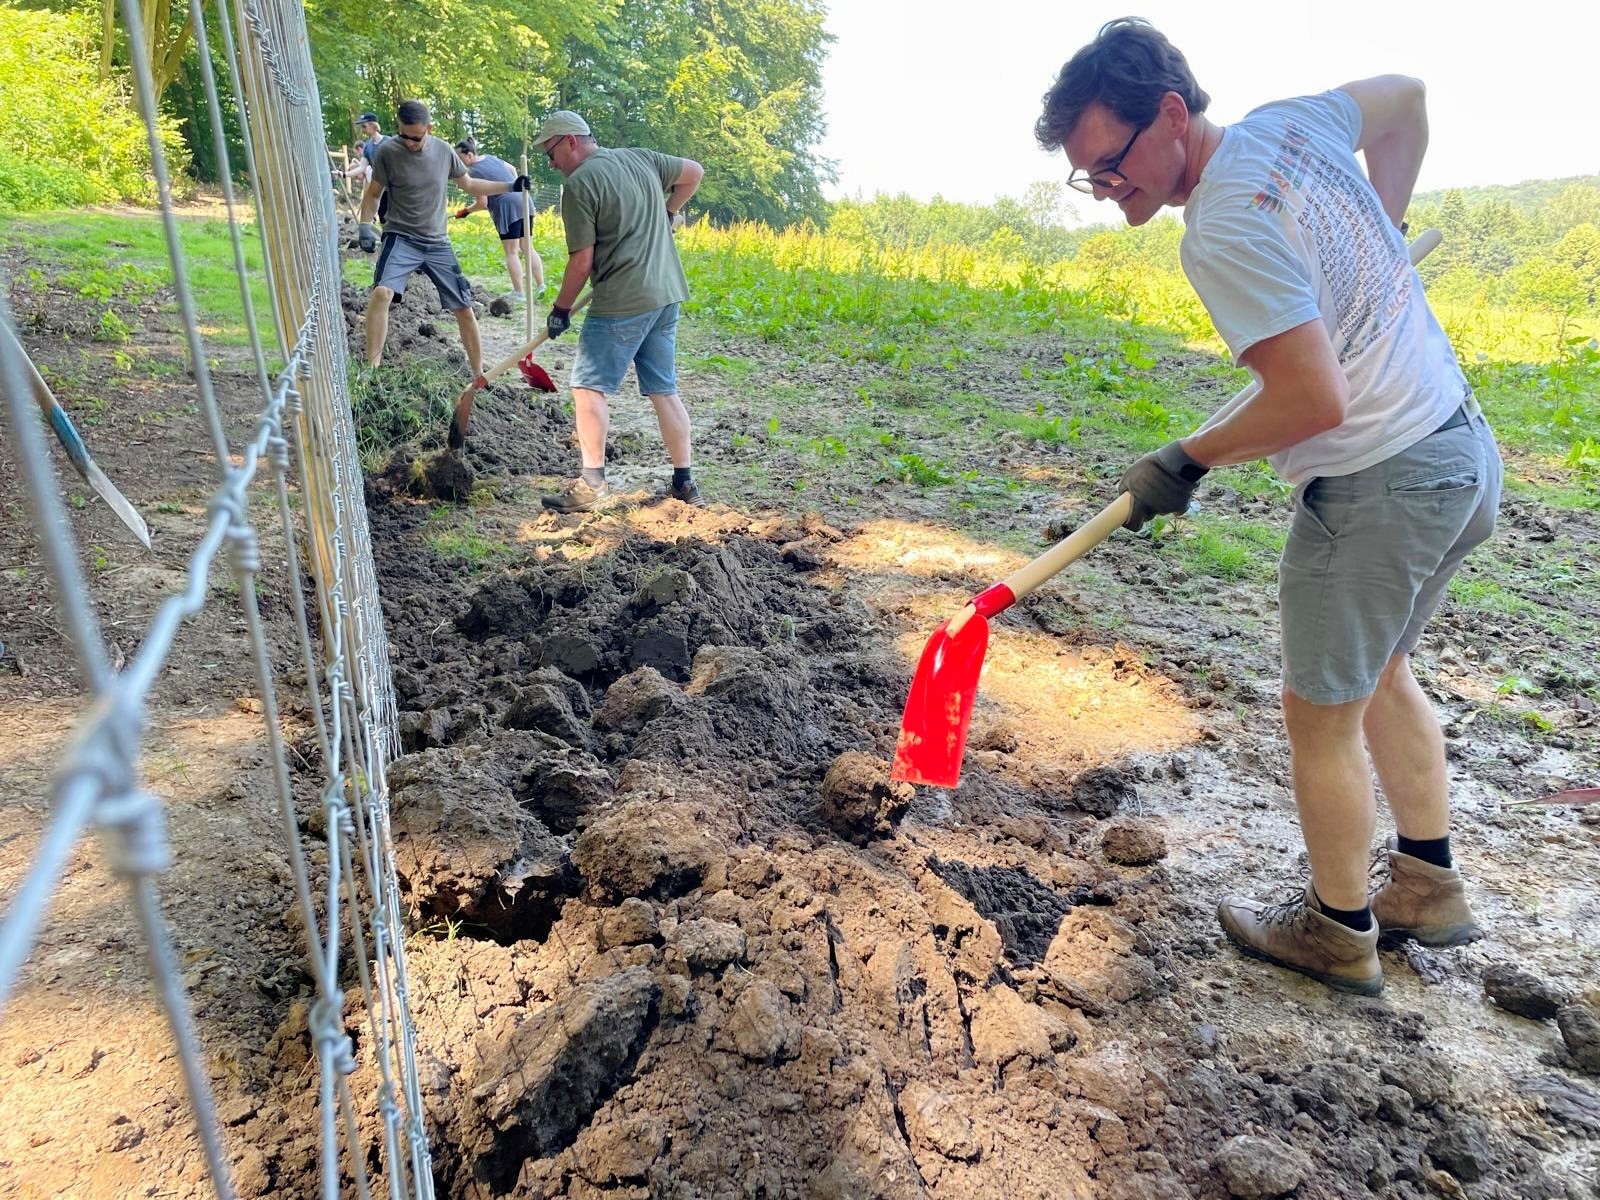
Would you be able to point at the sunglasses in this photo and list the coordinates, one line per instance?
(412, 137)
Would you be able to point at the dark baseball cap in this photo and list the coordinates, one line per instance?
(365, 117)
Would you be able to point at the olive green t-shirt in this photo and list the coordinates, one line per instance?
(616, 202)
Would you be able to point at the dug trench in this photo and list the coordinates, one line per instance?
(680, 936)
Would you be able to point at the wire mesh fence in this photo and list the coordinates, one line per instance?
(303, 449)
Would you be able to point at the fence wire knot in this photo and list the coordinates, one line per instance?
(244, 550)
(136, 828)
(327, 1031)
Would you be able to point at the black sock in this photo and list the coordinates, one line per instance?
(594, 476)
(680, 476)
(1429, 850)
(1359, 919)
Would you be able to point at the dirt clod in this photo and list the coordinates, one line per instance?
(1462, 1149)
(761, 1027)
(860, 801)
(936, 1123)
(539, 1086)
(1580, 1030)
(1101, 791)
(1517, 991)
(1132, 842)
(1257, 1168)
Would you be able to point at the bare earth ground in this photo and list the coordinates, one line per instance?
(676, 935)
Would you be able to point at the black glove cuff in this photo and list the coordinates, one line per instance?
(1176, 459)
(563, 313)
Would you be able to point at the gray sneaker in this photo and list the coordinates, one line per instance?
(578, 496)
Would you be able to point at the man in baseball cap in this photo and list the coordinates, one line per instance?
(619, 207)
(561, 123)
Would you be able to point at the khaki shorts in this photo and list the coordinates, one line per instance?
(1369, 556)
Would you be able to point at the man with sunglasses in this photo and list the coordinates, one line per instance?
(1360, 404)
(416, 168)
(619, 208)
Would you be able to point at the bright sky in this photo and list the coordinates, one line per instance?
(938, 97)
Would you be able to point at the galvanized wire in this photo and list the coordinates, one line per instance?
(306, 436)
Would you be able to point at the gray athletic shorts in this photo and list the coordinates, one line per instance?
(400, 256)
(1369, 555)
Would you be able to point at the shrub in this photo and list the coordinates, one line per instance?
(68, 137)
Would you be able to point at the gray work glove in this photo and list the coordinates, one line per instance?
(367, 238)
(558, 322)
(1161, 482)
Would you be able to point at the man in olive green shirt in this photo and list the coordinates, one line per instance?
(619, 208)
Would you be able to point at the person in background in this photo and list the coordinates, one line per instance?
(416, 168)
(506, 211)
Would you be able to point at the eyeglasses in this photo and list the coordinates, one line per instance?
(1110, 176)
(412, 137)
(550, 150)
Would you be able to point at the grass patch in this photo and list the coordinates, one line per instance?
(1214, 548)
(465, 546)
(119, 259)
(399, 406)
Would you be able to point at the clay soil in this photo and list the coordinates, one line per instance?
(676, 934)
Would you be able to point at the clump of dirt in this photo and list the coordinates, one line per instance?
(443, 475)
(860, 801)
(1132, 842)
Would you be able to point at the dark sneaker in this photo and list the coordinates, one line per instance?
(1423, 902)
(1299, 936)
(578, 496)
(688, 493)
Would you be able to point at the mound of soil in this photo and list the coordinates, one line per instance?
(746, 969)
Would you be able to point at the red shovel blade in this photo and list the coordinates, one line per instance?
(933, 731)
(538, 378)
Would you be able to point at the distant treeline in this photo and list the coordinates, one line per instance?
(1535, 244)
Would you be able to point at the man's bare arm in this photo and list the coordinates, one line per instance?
(369, 202)
(1394, 136)
(1303, 392)
(683, 187)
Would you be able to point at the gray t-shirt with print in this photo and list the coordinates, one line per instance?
(417, 180)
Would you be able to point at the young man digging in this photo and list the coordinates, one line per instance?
(1300, 261)
(619, 208)
(416, 168)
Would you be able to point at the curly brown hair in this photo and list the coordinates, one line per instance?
(1128, 67)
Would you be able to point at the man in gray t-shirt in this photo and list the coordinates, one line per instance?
(416, 168)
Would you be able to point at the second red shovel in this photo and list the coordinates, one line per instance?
(933, 731)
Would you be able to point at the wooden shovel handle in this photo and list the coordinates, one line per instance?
(1053, 561)
(522, 351)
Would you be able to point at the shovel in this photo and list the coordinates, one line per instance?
(77, 452)
(1577, 797)
(521, 358)
(933, 732)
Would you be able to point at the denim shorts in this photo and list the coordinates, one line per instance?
(400, 256)
(608, 344)
(1369, 556)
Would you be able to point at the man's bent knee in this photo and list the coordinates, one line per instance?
(381, 296)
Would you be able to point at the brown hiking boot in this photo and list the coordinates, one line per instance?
(579, 496)
(1297, 935)
(1423, 902)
